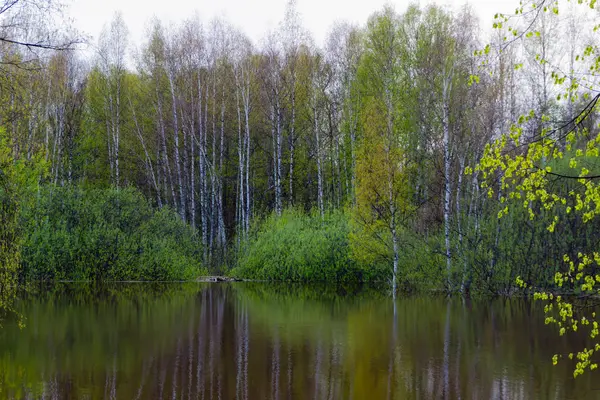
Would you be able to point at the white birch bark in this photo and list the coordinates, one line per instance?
(447, 187)
(318, 155)
(148, 160)
(181, 203)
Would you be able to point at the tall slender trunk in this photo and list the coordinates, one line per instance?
(241, 207)
(192, 164)
(274, 144)
(110, 130)
(186, 133)
(30, 128)
(495, 250)
(149, 167)
(466, 280)
(278, 204)
(459, 215)
(213, 197)
(165, 155)
(247, 120)
(396, 249)
(353, 127)
(572, 42)
(393, 224)
(343, 154)
(48, 128)
(318, 155)
(57, 148)
(222, 238)
(182, 200)
(447, 188)
(292, 141)
(201, 167)
(160, 167)
(117, 130)
(336, 148)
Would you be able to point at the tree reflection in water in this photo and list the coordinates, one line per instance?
(258, 341)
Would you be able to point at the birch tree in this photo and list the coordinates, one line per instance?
(112, 50)
(272, 81)
(243, 72)
(344, 50)
(382, 167)
(293, 37)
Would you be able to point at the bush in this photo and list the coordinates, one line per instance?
(76, 234)
(301, 247)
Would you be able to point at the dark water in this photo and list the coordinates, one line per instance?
(253, 341)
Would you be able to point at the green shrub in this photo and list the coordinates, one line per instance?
(422, 262)
(301, 247)
(109, 234)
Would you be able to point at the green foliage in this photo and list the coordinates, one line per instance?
(420, 260)
(77, 234)
(553, 179)
(18, 179)
(302, 247)
(9, 234)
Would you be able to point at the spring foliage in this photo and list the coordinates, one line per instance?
(554, 177)
(18, 180)
(105, 234)
(302, 247)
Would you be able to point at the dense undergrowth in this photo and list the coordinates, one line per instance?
(74, 233)
(70, 233)
(486, 259)
(302, 247)
(104, 234)
(306, 247)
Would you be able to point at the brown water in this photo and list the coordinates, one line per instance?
(256, 341)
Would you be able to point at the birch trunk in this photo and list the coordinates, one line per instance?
(185, 131)
(222, 238)
(213, 197)
(391, 178)
(458, 214)
(472, 212)
(278, 202)
(318, 155)
(117, 130)
(165, 155)
(247, 120)
(395, 244)
(149, 168)
(201, 167)
(447, 188)
(221, 220)
(292, 140)
(353, 126)
(241, 207)
(192, 176)
(182, 201)
(336, 157)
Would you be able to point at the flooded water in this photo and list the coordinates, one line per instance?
(259, 341)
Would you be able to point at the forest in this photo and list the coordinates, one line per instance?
(420, 149)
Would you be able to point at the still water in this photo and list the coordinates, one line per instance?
(259, 341)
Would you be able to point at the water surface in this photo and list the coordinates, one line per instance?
(259, 341)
